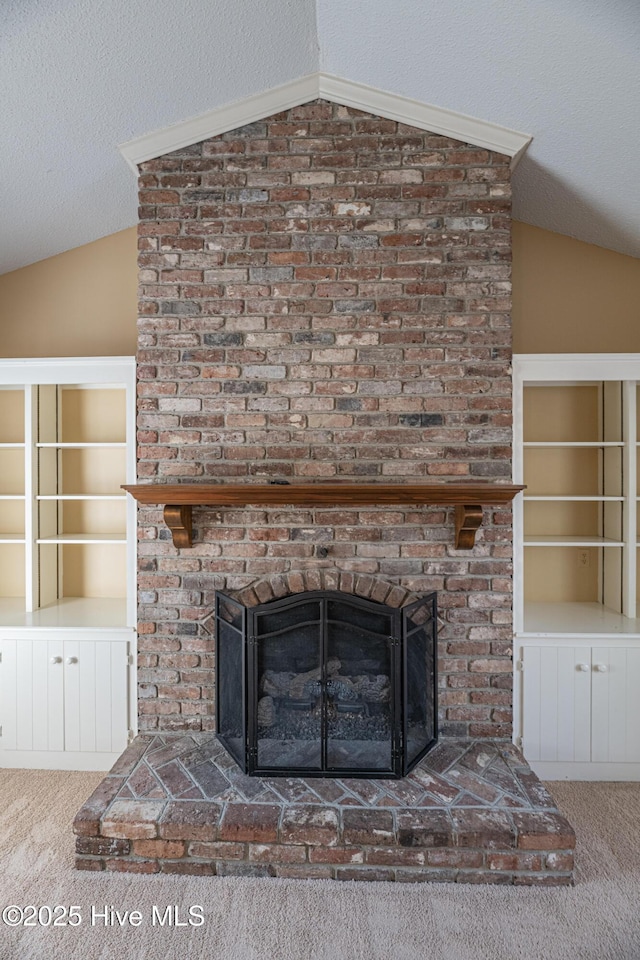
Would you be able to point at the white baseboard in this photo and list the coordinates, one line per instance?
(558, 770)
(56, 760)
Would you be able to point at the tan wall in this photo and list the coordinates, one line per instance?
(572, 297)
(82, 303)
(568, 296)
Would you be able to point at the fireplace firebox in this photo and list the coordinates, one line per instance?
(323, 684)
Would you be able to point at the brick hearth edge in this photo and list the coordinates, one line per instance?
(469, 813)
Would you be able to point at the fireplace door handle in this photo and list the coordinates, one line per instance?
(584, 667)
(601, 668)
(72, 659)
(56, 660)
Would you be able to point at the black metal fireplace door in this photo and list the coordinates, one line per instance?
(326, 684)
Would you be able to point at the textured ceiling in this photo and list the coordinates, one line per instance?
(566, 72)
(79, 77)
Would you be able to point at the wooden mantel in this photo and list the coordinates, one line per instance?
(179, 498)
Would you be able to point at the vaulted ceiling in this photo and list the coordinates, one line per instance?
(80, 77)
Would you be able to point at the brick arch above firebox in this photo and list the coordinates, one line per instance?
(300, 581)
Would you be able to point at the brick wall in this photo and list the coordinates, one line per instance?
(325, 294)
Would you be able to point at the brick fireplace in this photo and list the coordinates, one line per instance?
(325, 296)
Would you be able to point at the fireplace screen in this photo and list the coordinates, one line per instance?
(326, 684)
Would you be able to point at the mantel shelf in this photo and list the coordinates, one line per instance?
(179, 498)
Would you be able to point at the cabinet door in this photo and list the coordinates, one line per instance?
(95, 695)
(60, 695)
(31, 695)
(615, 685)
(556, 703)
(8, 694)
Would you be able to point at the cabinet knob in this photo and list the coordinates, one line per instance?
(601, 667)
(584, 667)
(56, 660)
(72, 659)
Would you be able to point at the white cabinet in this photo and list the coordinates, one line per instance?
(63, 701)
(576, 569)
(67, 561)
(581, 709)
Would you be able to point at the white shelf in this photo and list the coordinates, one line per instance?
(577, 619)
(586, 499)
(596, 444)
(12, 446)
(12, 496)
(551, 541)
(85, 538)
(108, 445)
(83, 496)
(71, 613)
(12, 538)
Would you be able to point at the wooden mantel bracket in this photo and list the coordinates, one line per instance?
(179, 498)
(468, 519)
(178, 518)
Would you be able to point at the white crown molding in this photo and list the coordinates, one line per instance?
(220, 120)
(415, 113)
(425, 116)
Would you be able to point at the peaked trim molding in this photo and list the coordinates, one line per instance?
(324, 86)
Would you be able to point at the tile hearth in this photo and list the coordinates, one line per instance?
(470, 812)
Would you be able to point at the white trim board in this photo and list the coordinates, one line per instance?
(101, 371)
(546, 368)
(573, 770)
(416, 113)
(57, 760)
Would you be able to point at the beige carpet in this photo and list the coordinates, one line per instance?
(320, 920)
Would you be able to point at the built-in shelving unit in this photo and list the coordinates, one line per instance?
(576, 565)
(575, 449)
(66, 447)
(67, 561)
